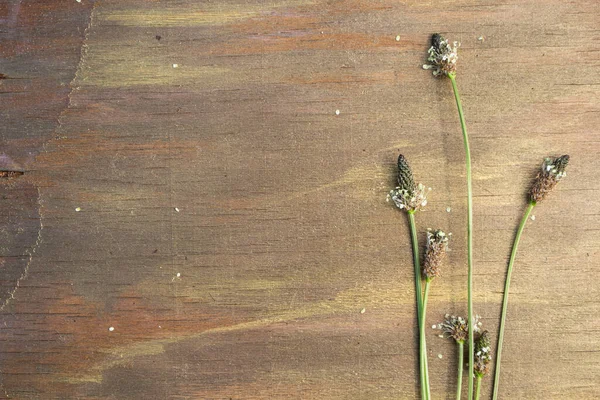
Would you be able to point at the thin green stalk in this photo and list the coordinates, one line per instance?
(511, 262)
(478, 389)
(469, 229)
(419, 291)
(422, 339)
(461, 357)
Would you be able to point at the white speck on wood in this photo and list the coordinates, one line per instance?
(363, 310)
(176, 209)
(337, 112)
(78, 209)
(398, 38)
(448, 209)
(112, 328)
(533, 217)
(440, 356)
(175, 65)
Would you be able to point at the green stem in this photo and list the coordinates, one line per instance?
(511, 262)
(469, 229)
(419, 291)
(423, 341)
(461, 357)
(478, 389)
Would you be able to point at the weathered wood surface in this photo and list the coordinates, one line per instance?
(231, 226)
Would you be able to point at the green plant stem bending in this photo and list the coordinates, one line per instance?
(418, 294)
(511, 262)
(469, 229)
(461, 356)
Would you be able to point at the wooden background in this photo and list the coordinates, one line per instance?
(188, 182)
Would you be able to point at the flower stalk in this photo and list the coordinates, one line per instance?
(418, 292)
(442, 60)
(410, 197)
(552, 171)
(478, 387)
(463, 126)
(459, 378)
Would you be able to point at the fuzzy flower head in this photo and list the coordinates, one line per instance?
(483, 355)
(553, 170)
(409, 200)
(457, 328)
(442, 56)
(435, 252)
(407, 195)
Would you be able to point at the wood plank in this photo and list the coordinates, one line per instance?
(189, 183)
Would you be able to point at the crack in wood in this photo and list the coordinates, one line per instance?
(29, 253)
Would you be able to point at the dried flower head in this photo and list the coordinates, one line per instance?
(408, 195)
(483, 355)
(435, 252)
(457, 328)
(553, 170)
(442, 56)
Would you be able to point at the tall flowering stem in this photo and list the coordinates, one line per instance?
(553, 170)
(442, 60)
(410, 197)
(511, 262)
(463, 125)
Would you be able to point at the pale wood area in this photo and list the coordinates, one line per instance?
(188, 183)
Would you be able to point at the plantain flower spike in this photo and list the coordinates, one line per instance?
(407, 195)
(553, 170)
(442, 56)
(405, 177)
(457, 328)
(435, 252)
(482, 354)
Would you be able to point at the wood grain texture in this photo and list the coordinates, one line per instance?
(188, 183)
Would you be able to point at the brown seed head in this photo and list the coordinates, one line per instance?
(482, 354)
(457, 328)
(435, 252)
(553, 170)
